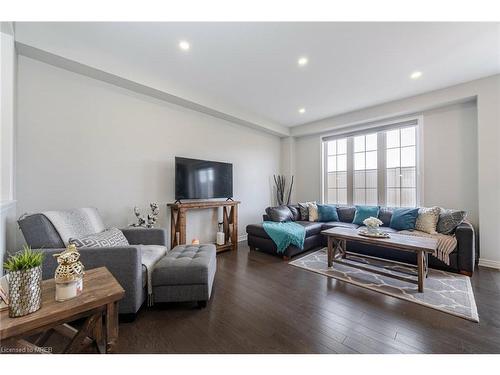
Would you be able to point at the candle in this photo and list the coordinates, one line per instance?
(220, 238)
(71, 289)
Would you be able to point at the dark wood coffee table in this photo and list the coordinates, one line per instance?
(337, 238)
(98, 304)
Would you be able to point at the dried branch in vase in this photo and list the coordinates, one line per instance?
(281, 189)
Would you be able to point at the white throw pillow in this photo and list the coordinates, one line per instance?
(427, 219)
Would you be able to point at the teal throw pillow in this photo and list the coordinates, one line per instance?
(404, 218)
(327, 212)
(364, 212)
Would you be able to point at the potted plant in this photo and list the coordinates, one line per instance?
(25, 281)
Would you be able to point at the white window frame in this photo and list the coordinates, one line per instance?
(366, 128)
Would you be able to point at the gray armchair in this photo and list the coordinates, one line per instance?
(124, 262)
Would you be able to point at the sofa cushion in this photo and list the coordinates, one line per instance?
(346, 213)
(186, 265)
(150, 255)
(279, 213)
(312, 228)
(313, 212)
(449, 220)
(109, 238)
(295, 212)
(427, 219)
(384, 215)
(404, 218)
(39, 232)
(364, 212)
(339, 224)
(327, 212)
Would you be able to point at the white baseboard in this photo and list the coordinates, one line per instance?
(489, 263)
(243, 237)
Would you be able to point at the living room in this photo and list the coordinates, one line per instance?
(238, 188)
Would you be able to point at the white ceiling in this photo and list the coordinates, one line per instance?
(251, 68)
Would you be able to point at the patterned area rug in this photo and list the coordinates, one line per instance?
(444, 291)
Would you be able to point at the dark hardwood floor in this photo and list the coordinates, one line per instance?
(260, 304)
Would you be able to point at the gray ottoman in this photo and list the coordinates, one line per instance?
(186, 273)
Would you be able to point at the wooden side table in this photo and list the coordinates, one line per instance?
(98, 304)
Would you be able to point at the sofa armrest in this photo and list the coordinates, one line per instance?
(466, 245)
(123, 262)
(146, 236)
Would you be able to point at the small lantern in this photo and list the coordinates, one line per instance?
(69, 274)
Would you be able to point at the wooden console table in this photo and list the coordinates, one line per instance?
(178, 215)
(98, 304)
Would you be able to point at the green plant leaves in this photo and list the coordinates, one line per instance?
(23, 260)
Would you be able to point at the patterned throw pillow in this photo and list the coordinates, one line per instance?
(449, 220)
(427, 219)
(313, 212)
(109, 238)
(304, 210)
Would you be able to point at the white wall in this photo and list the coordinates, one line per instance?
(82, 142)
(7, 116)
(450, 158)
(486, 92)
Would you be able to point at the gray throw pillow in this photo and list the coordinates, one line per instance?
(346, 213)
(109, 238)
(385, 215)
(449, 220)
(279, 214)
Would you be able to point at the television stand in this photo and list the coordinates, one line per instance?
(178, 215)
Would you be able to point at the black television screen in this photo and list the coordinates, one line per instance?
(202, 179)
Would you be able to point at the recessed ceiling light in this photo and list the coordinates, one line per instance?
(416, 75)
(302, 110)
(183, 45)
(302, 61)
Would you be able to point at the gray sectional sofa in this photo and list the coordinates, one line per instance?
(462, 259)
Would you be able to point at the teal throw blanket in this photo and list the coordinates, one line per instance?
(285, 234)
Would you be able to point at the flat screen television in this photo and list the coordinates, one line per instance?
(202, 179)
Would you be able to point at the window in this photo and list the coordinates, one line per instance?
(365, 169)
(401, 167)
(337, 171)
(373, 168)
